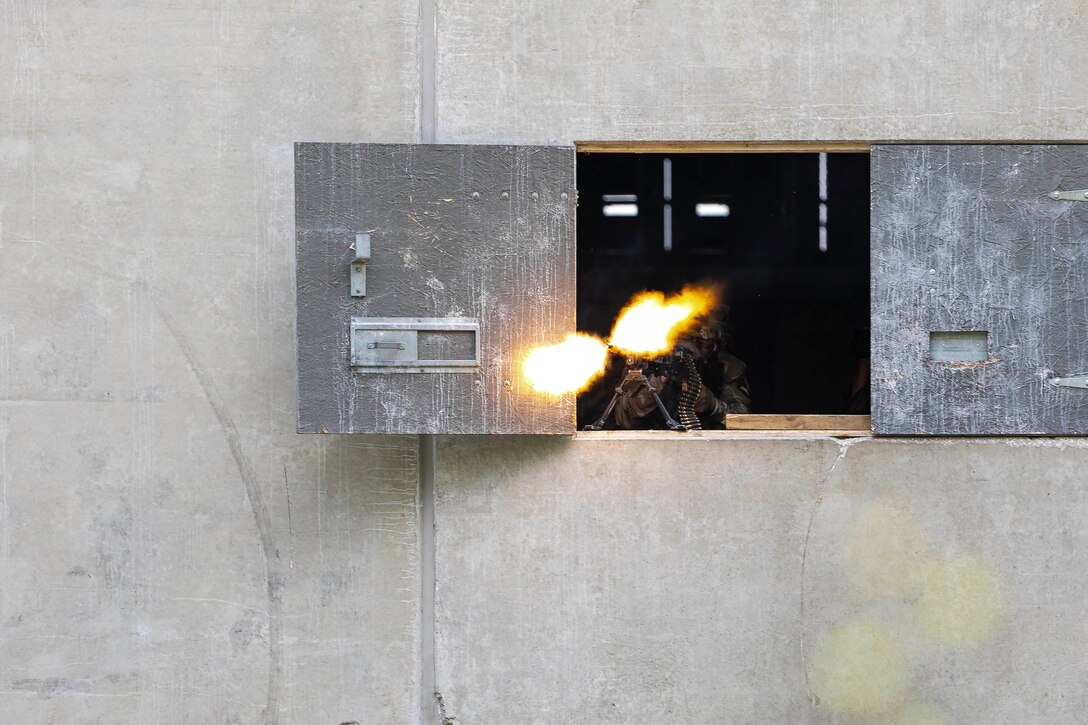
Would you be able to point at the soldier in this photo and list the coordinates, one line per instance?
(699, 393)
(721, 371)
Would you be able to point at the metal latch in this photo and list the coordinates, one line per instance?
(1077, 381)
(358, 265)
(1078, 195)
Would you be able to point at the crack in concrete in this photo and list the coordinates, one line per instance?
(844, 446)
(274, 576)
(446, 719)
(275, 579)
(428, 582)
(290, 525)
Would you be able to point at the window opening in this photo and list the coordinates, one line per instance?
(794, 310)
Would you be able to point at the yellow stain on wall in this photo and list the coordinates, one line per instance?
(859, 668)
(885, 551)
(960, 601)
(862, 667)
(918, 714)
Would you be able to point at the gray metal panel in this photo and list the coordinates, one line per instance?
(966, 238)
(482, 232)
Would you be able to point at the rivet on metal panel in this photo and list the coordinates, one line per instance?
(564, 196)
(475, 196)
(535, 196)
(933, 271)
(506, 383)
(478, 383)
(506, 195)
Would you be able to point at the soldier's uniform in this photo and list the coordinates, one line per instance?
(724, 372)
(723, 388)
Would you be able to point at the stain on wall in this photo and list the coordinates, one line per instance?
(960, 602)
(911, 600)
(884, 551)
(920, 714)
(859, 668)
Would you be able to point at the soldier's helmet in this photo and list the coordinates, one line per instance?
(709, 331)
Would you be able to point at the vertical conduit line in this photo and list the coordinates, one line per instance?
(427, 42)
(428, 688)
(428, 708)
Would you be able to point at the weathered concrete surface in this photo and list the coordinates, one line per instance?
(170, 549)
(761, 581)
(658, 69)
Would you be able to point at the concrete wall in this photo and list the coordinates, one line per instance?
(718, 581)
(801, 69)
(170, 550)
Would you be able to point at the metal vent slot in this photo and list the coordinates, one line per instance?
(447, 345)
(414, 345)
(959, 346)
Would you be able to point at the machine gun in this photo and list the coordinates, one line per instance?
(677, 365)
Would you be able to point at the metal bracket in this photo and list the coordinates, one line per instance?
(358, 265)
(1077, 381)
(1078, 195)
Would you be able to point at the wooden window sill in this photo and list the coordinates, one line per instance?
(754, 426)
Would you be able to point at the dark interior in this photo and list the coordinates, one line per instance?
(798, 310)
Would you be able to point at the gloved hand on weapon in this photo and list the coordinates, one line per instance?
(636, 399)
